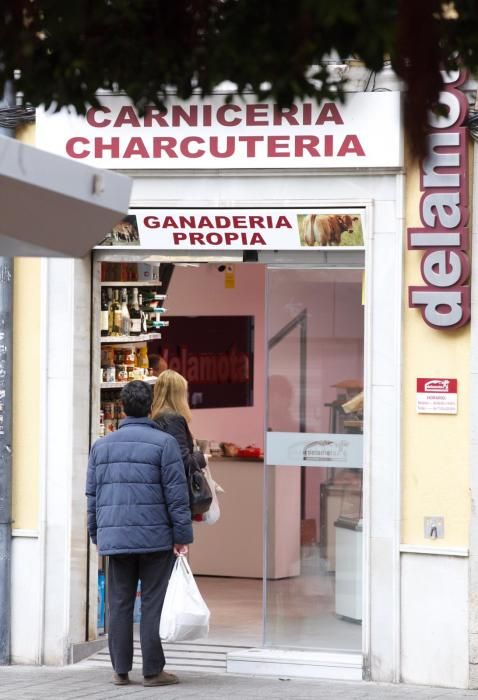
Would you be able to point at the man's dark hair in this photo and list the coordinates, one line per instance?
(137, 398)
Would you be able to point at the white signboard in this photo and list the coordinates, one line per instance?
(365, 132)
(437, 395)
(333, 450)
(228, 229)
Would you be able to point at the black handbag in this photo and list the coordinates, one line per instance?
(200, 496)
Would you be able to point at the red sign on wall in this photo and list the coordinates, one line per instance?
(437, 395)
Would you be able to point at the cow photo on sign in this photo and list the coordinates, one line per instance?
(125, 233)
(342, 229)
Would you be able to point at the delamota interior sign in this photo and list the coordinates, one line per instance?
(332, 450)
(444, 299)
(226, 229)
(364, 132)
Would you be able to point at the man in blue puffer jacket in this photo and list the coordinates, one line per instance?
(139, 515)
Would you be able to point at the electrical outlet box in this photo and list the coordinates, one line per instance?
(434, 526)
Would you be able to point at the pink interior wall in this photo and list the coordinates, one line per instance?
(334, 347)
(196, 291)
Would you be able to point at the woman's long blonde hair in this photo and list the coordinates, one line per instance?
(171, 395)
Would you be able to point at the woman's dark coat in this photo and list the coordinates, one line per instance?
(174, 424)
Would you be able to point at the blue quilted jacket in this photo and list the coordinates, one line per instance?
(138, 499)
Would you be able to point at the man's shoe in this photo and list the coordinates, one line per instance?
(162, 678)
(120, 678)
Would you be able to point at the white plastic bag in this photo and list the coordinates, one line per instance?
(185, 615)
(213, 514)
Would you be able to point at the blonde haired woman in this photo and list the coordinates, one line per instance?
(171, 412)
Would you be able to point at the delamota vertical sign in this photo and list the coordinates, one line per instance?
(444, 299)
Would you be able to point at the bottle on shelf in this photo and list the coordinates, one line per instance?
(144, 326)
(109, 296)
(104, 323)
(125, 319)
(115, 321)
(101, 428)
(142, 358)
(135, 314)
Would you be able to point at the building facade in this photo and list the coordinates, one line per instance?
(410, 523)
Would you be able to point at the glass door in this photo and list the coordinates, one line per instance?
(313, 471)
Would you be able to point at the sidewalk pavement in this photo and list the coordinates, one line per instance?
(92, 683)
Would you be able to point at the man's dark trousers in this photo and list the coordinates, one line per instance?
(154, 570)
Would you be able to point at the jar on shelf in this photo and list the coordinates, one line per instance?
(129, 357)
(110, 375)
(121, 373)
(142, 356)
(107, 355)
(109, 410)
(119, 356)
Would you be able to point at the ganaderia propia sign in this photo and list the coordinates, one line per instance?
(444, 299)
(228, 229)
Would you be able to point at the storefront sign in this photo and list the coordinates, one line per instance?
(437, 395)
(444, 300)
(261, 229)
(364, 132)
(333, 450)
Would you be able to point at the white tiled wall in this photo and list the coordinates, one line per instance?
(25, 601)
(67, 454)
(435, 620)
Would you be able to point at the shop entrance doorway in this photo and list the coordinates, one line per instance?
(313, 471)
(283, 566)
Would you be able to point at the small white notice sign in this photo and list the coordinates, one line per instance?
(437, 395)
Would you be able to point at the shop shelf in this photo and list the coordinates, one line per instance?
(120, 385)
(129, 283)
(115, 339)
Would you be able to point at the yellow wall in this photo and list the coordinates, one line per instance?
(26, 392)
(435, 448)
(26, 385)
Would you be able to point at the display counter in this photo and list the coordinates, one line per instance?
(234, 545)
